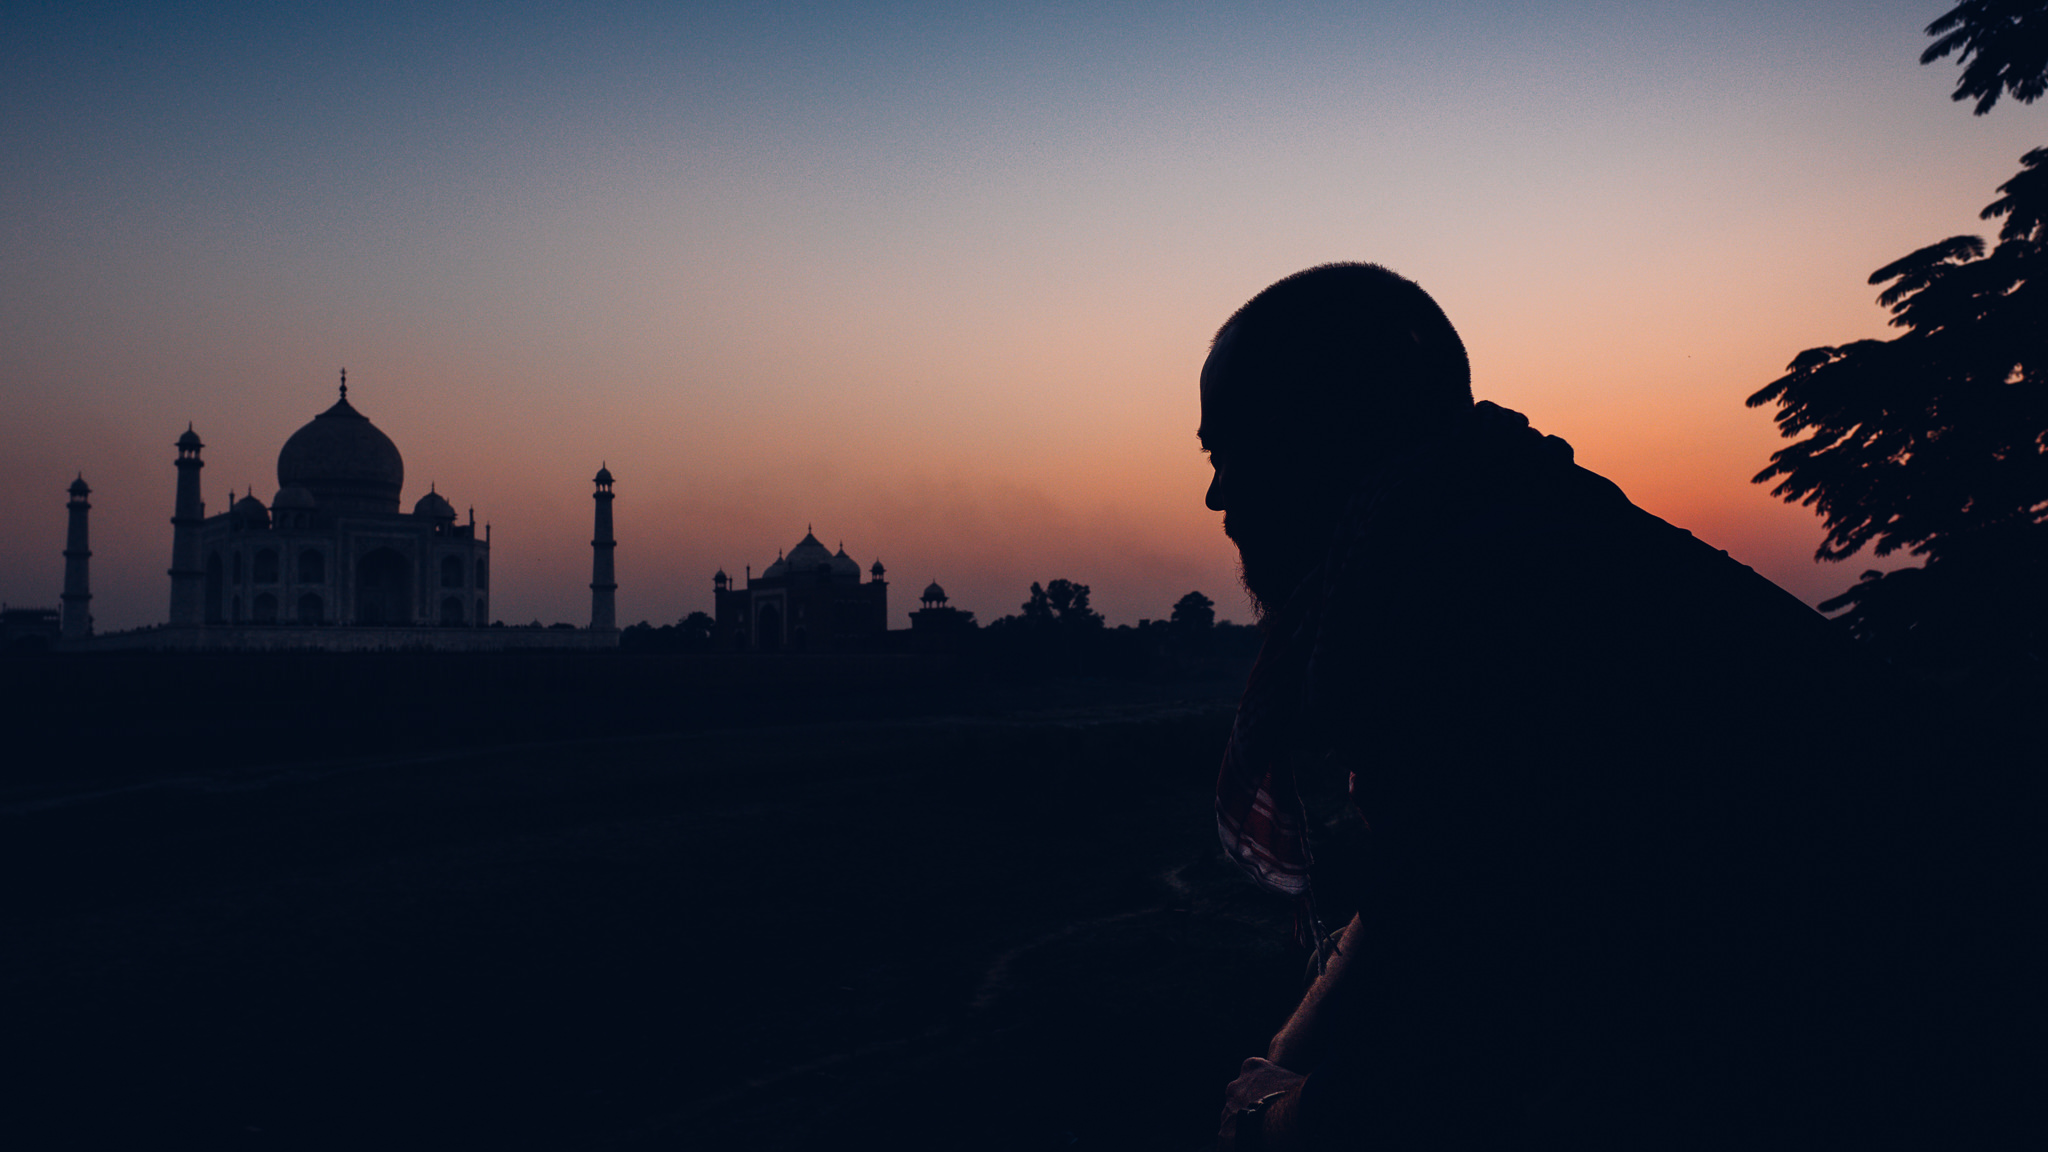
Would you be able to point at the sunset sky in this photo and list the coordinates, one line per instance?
(934, 278)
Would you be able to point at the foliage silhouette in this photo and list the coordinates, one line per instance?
(690, 634)
(1935, 442)
(1195, 612)
(2002, 46)
(1061, 604)
(1058, 633)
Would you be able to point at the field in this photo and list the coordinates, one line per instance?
(594, 903)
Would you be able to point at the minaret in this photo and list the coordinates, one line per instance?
(188, 579)
(603, 587)
(77, 577)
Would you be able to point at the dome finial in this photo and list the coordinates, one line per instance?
(344, 383)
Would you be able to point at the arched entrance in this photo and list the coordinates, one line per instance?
(383, 588)
(768, 628)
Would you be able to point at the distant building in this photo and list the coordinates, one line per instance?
(809, 600)
(332, 548)
(331, 562)
(935, 626)
(77, 599)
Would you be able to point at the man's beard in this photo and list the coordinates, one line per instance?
(1276, 550)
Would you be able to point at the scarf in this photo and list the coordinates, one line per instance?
(1261, 815)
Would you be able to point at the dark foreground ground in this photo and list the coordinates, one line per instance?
(994, 919)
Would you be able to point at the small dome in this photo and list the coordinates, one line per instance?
(604, 476)
(877, 570)
(434, 506)
(250, 510)
(189, 439)
(78, 487)
(844, 565)
(289, 498)
(344, 460)
(933, 592)
(779, 568)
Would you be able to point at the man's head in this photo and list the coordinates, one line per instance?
(1308, 388)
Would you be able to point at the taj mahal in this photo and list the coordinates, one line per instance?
(332, 562)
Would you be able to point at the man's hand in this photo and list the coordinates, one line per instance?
(1256, 1078)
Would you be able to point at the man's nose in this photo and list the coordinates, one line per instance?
(1217, 495)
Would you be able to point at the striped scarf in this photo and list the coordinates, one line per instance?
(1260, 811)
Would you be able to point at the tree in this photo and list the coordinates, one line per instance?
(1195, 612)
(1062, 603)
(1056, 631)
(1070, 604)
(2002, 46)
(1038, 609)
(1936, 441)
(694, 631)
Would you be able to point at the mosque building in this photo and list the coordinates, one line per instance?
(809, 600)
(332, 561)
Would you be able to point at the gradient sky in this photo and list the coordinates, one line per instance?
(934, 278)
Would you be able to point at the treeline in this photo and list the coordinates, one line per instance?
(690, 634)
(1055, 630)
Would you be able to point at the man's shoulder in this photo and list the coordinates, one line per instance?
(1529, 589)
(1504, 520)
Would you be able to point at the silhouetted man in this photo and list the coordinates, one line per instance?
(1603, 888)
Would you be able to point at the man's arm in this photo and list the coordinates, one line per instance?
(1302, 1043)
